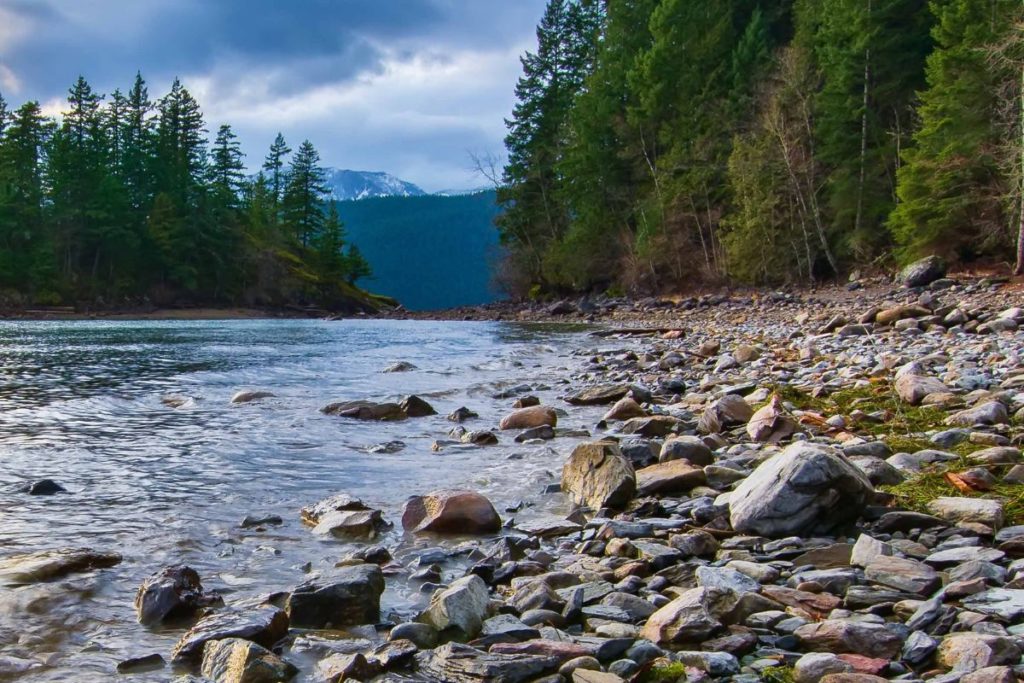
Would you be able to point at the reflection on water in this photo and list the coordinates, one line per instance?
(80, 402)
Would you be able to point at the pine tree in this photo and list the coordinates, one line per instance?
(273, 165)
(356, 265)
(226, 167)
(303, 195)
(950, 185)
(535, 217)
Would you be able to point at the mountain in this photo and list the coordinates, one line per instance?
(428, 251)
(348, 185)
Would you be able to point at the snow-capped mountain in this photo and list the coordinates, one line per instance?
(346, 184)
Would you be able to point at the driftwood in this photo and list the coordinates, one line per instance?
(635, 331)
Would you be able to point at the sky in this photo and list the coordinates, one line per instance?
(411, 87)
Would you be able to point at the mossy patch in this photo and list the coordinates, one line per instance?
(917, 492)
(779, 674)
(665, 674)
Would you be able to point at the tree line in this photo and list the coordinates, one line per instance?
(656, 143)
(123, 200)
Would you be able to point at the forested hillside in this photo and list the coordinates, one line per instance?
(125, 201)
(658, 143)
(429, 252)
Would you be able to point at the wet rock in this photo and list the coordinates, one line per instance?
(625, 409)
(312, 514)
(479, 438)
(153, 662)
(730, 410)
(233, 660)
(342, 667)
(252, 521)
(423, 635)
(173, 591)
(840, 635)
(669, 477)
(867, 549)
(597, 475)
(53, 564)
(686, 448)
(387, 448)
(923, 272)
(599, 395)
(543, 433)
(529, 418)
(364, 524)
(366, 410)
(805, 488)
(450, 512)
(461, 414)
(250, 396)
(458, 612)
(43, 487)
(400, 366)
(348, 596)
(414, 406)
(261, 623)
(463, 664)
(651, 427)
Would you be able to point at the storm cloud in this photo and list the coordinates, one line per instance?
(406, 86)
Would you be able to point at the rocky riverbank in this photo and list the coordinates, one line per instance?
(792, 487)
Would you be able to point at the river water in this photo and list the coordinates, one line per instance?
(80, 402)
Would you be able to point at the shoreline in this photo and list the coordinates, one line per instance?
(690, 552)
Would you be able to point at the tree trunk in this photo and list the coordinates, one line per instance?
(863, 137)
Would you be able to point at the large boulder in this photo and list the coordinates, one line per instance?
(924, 272)
(234, 660)
(450, 512)
(261, 623)
(349, 596)
(458, 611)
(806, 488)
(597, 475)
(686, 448)
(528, 418)
(170, 592)
(599, 395)
(855, 637)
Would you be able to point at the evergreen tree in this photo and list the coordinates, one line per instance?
(535, 217)
(273, 165)
(303, 195)
(356, 265)
(950, 187)
(226, 167)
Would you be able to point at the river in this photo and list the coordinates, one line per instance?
(81, 403)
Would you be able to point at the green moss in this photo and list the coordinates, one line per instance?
(778, 674)
(665, 674)
(917, 492)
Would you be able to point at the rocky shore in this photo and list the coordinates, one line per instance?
(784, 487)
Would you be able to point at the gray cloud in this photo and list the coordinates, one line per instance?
(405, 86)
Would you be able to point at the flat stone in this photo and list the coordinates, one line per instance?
(843, 636)
(669, 477)
(902, 574)
(1005, 603)
(53, 564)
(978, 510)
(262, 624)
(599, 395)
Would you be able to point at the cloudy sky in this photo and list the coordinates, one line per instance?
(411, 87)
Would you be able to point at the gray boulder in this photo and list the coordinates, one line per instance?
(806, 488)
(349, 596)
(924, 272)
(458, 612)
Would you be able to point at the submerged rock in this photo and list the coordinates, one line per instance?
(250, 396)
(53, 564)
(366, 410)
(43, 487)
